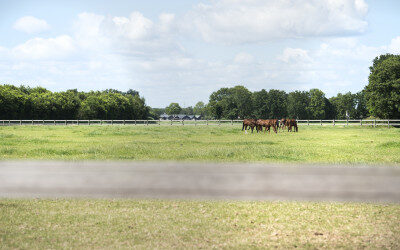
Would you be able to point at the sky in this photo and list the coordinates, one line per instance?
(182, 51)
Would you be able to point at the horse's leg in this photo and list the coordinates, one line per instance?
(243, 126)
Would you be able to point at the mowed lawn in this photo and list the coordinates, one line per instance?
(98, 223)
(226, 143)
(111, 224)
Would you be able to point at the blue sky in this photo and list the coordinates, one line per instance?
(181, 51)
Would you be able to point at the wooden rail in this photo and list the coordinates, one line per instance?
(387, 122)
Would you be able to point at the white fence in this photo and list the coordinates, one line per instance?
(374, 123)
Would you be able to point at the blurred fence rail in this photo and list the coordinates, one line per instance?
(387, 122)
(190, 180)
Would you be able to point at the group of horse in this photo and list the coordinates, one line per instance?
(275, 124)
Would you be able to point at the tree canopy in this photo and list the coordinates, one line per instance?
(383, 89)
(40, 103)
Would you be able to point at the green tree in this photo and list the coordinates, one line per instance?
(187, 110)
(383, 89)
(231, 103)
(199, 109)
(344, 104)
(173, 109)
(260, 101)
(361, 105)
(277, 101)
(317, 104)
(297, 105)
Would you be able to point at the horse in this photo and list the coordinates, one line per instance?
(282, 124)
(292, 123)
(267, 124)
(249, 123)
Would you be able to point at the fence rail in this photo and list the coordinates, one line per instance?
(387, 122)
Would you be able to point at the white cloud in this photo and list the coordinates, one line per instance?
(41, 48)
(394, 46)
(243, 58)
(294, 55)
(246, 21)
(30, 25)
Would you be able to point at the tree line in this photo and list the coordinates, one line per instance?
(238, 103)
(380, 99)
(39, 103)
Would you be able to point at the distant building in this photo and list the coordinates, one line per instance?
(180, 117)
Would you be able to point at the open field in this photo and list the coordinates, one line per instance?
(81, 223)
(42, 224)
(220, 143)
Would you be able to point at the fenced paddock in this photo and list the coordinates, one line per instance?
(374, 123)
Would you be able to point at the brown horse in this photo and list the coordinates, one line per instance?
(282, 124)
(267, 124)
(249, 123)
(292, 123)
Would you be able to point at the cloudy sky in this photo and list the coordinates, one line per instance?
(181, 51)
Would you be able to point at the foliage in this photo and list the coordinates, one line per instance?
(200, 109)
(231, 103)
(297, 104)
(317, 104)
(40, 103)
(173, 109)
(383, 89)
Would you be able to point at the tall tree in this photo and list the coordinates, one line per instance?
(383, 89)
(297, 103)
(277, 101)
(199, 109)
(261, 109)
(231, 103)
(317, 104)
(173, 109)
(344, 104)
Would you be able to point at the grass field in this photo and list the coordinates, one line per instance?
(43, 224)
(76, 223)
(201, 143)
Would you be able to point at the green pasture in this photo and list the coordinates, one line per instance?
(114, 224)
(225, 143)
(109, 224)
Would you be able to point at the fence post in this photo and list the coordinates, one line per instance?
(159, 122)
(347, 122)
(374, 122)
(9, 122)
(207, 122)
(135, 122)
(388, 124)
(320, 122)
(219, 122)
(43, 122)
(54, 122)
(147, 122)
(308, 122)
(77, 122)
(65, 122)
(112, 122)
(171, 122)
(32, 122)
(20, 122)
(231, 122)
(333, 122)
(182, 122)
(361, 122)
